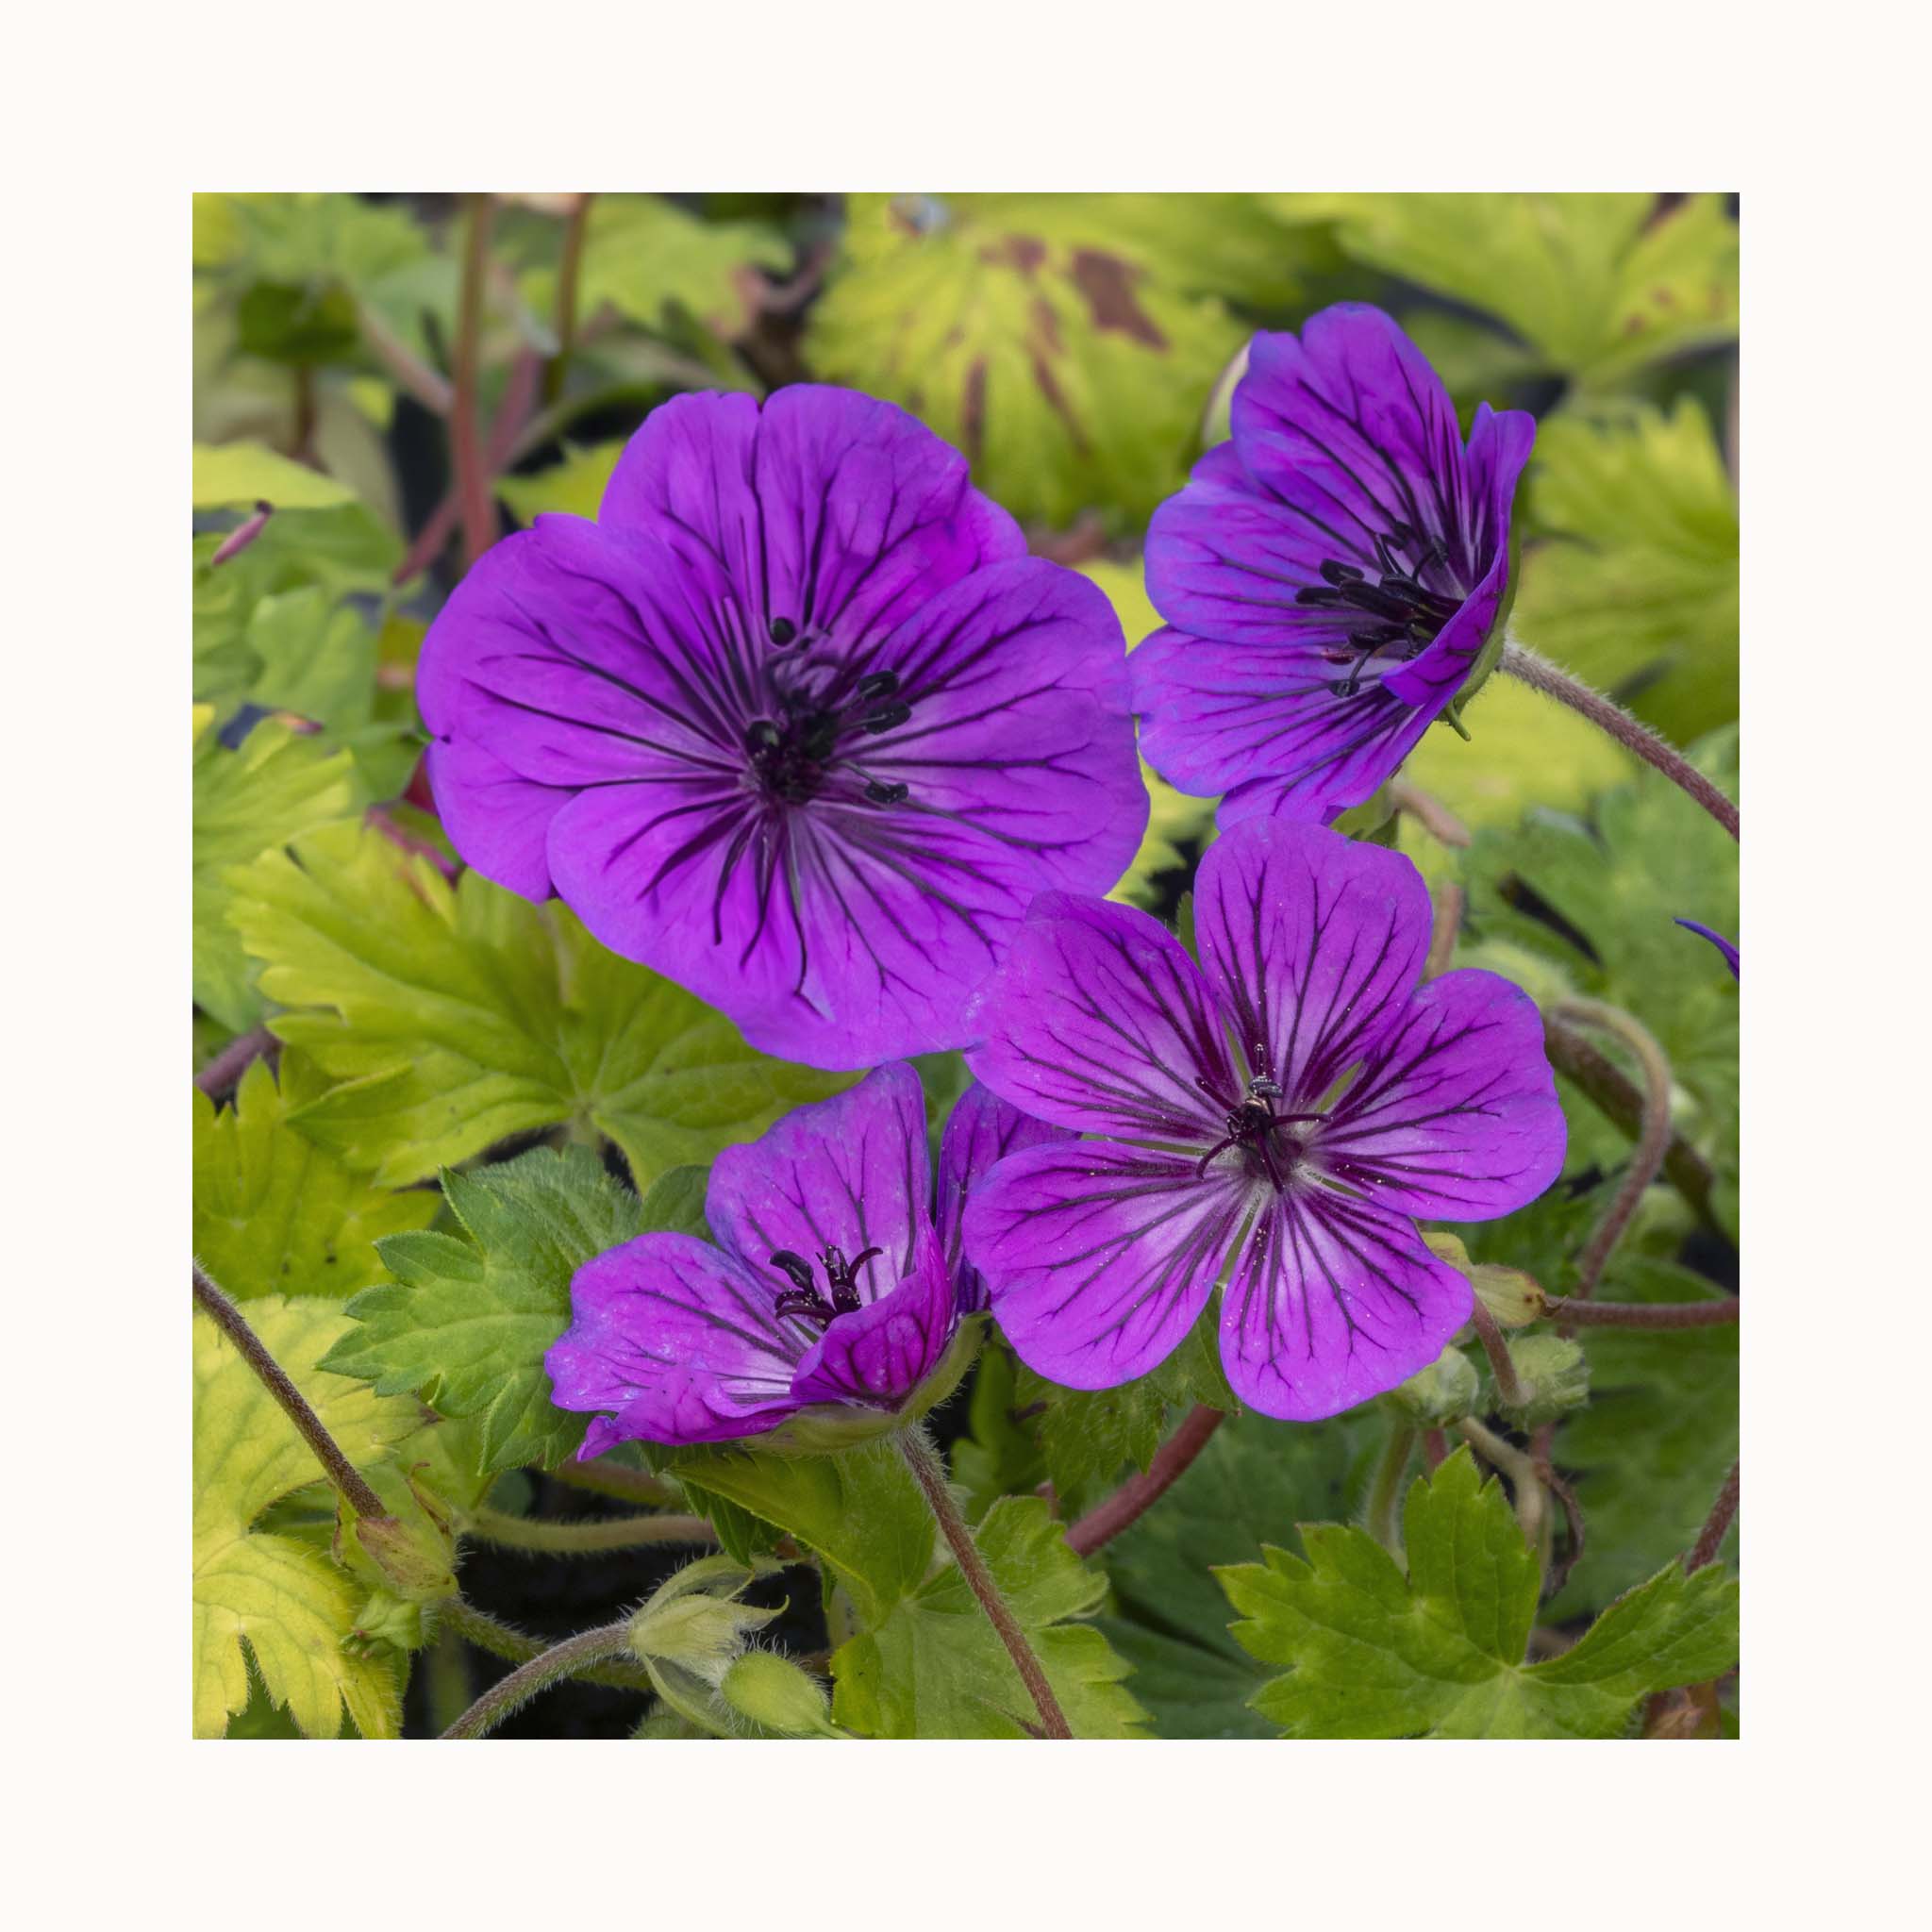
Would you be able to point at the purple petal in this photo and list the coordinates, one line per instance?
(1098, 1021)
(981, 1129)
(1353, 430)
(1264, 725)
(1332, 1302)
(879, 1354)
(1314, 942)
(829, 510)
(851, 1173)
(1456, 1116)
(1100, 1257)
(677, 1340)
(1717, 939)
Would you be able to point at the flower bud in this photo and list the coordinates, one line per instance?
(1443, 1392)
(775, 1695)
(1554, 1375)
(695, 1621)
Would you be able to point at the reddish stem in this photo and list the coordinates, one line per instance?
(1712, 1314)
(234, 1059)
(1133, 1499)
(1710, 1538)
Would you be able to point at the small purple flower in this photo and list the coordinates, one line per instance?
(830, 1283)
(1329, 577)
(1717, 939)
(797, 722)
(1271, 1118)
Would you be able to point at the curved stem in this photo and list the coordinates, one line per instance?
(587, 1538)
(1621, 1102)
(1509, 1461)
(1653, 1138)
(1384, 1492)
(924, 1464)
(1537, 672)
(1429, 812)
(478, 512)
(487, 1633)
(1106, 1519)
(1710, 1538)
(328, 1451)
(227, 1066)
(612, 1479)
(1447, 905)
(570, 1658)
(1502, 1364)
(1712, 1314)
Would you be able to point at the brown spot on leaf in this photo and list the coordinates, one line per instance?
(1050, 389)
(1023, 252)
(1046, 325)
(1107, 284)
(972, 412)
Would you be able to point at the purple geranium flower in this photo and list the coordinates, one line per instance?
(797, 722)
(830, 1283)
(1330, 576)
(1272, 1119)
(1717, 939)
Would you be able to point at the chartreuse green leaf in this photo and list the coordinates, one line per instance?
(1255, 1479)
(936, 1667)
(1062, 341)
(1597, 284)
(571, 488)
(466, 1322)
(449, 1017)
(248, 472)
(267, 1595)
(1656, 1440)
(861, 1509)
(276, 1214)
(647, 258)
(1634, 584)
(1438, 1651)
(271, 788)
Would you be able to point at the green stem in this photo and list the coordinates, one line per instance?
(585, 1538)
(476, 509)
(270, 1372)
(488, 1633)
(1712, 1314)
(924, 1464)
(1537, 672)
(570, 1658)
(1653, 1138)
(1384, 1492)
(623, 1485)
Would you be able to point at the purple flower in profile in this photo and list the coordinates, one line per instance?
(1272, 1119)
(1717, 939)
(1328, 578)
(832, 1286)
(797, 722)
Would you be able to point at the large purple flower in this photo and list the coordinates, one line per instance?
(833, 1285)
(1329, 577)
(1273, 1119)
(797, 722)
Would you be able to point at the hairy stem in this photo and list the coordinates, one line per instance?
(612, 1479)
(1653, 1137)
(1502, 1365)
(1384, 1492)
(1621, 1102)
(234, 1059)
(488, 1633)
(568, 272)
(328, 1451)
(476, 509)
(1507, 1459)
(1710, 1538)
(924, 1464)
(1553, 682)
(587, 1538)
(1105, 1520)
(570, 1658)
(1712, 1314)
